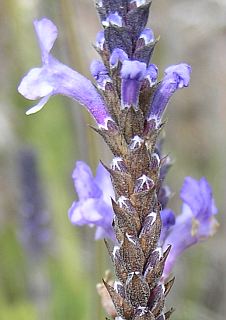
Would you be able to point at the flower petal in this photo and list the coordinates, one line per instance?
(100, 40)
(103, 181)
(198, 196)
(152, 74)
(47, 33)
(104, 233)
(84, 212)
(84, 182)
(35, 84)
(168, 220)
(38, 106)
(132, 74)
(94, 204)
(113, 19)
(100, 73)
(195, 223)
(148, 36)
(118, 55)
(176, 77)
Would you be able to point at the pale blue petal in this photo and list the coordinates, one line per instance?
(47, 33)
(38, 106)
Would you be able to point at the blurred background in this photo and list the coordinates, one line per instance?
(48, 268)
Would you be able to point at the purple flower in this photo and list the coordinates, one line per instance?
(100, 73)
(195, 223)
(100, 40)
(118, 55)
(176, 77)
(132, 74)
(114, 19)
(53, 78)
(139, 2)
(152, 74)
(94, 204)
(168, 220)
(147, 35)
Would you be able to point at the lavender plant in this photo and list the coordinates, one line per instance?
(35, 234)
(128, 200)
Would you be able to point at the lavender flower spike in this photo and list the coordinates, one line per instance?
(136, 219)
(94, 204)
(176, 77)
(195, 223)
(56, 78)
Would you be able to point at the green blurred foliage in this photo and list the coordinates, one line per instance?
(61, 283)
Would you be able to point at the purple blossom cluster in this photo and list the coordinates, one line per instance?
(53, 77)
(93, 207)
